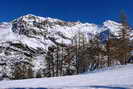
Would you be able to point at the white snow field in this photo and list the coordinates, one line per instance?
(118, 77)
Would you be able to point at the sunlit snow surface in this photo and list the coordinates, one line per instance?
(117, 77)
(6, 35)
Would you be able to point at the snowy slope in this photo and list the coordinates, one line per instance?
(8, 35)
(118, 77)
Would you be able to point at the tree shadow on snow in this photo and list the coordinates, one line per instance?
(98, 87)
(108, 87)
(83, 87)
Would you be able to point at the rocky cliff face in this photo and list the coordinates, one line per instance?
(29, 38)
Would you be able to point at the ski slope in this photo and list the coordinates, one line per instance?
(118, 77)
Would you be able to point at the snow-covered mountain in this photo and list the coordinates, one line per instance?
(35, 31)
(29, 37)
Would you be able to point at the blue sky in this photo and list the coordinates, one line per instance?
(94, 11)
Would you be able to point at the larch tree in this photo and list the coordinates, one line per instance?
(124, 36)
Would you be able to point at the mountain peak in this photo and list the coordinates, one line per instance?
(110, 22)
(112, 25)
(30, 17)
